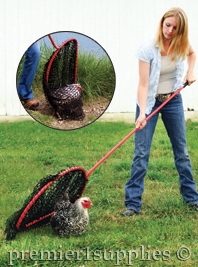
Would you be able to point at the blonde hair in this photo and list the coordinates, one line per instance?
(180, 45)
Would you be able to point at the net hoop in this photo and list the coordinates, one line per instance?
(41, 191)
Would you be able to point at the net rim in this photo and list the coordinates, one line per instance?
(41, 191)
(56, 52)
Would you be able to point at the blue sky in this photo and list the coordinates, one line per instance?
(84, 42)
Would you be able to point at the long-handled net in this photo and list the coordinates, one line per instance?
(59, 81)
(39, 206)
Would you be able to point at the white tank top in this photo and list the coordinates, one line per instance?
(167, 77)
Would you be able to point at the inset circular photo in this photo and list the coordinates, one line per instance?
(65, 80)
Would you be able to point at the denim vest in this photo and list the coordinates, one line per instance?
(149, 53)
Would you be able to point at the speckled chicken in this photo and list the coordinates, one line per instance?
(71, 219)
(67, 102)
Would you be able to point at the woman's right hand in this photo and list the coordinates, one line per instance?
(144, 69)
(141, 122)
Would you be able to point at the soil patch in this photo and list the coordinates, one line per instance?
(46, 116)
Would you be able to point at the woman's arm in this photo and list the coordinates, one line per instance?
(191, 58)
(144, 68)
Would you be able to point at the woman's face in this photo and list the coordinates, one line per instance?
(169, 28)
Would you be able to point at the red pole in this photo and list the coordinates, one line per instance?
(131, 133)
(52, 41)
(108, 154)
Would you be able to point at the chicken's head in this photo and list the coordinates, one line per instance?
(78, 87)
(86, 202)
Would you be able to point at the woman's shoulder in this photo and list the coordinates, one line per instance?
(145, 51)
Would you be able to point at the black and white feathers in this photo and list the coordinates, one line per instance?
(71, 219)
(67, 102)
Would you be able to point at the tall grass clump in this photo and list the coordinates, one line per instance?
(95, 74)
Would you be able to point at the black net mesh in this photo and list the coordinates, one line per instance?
(59, 82)
(44, 205)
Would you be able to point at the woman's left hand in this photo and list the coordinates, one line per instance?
(190, 77)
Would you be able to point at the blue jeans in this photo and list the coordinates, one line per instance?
(174, 121)
(29, 70)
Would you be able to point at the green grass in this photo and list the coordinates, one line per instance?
(95, 74)
(31, 151)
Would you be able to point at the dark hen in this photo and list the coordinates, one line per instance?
(67, 102)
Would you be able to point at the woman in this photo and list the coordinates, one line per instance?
(160, 74)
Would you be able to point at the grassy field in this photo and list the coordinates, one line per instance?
(165, 234)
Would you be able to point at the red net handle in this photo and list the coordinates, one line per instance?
(52, 41)
(38, 195)
(58, 48)
(136, 129)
